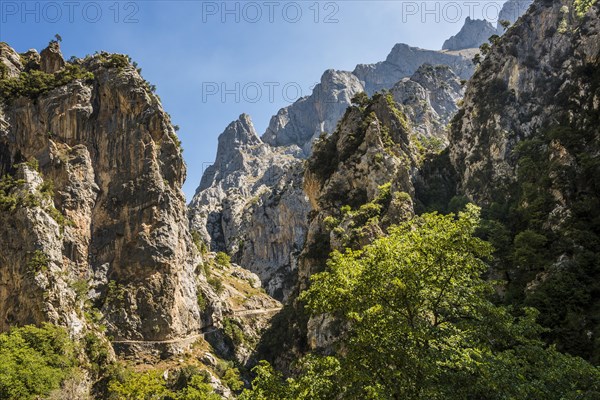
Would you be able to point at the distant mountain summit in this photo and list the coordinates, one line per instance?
(473, 33)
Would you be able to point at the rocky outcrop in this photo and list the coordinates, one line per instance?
(51, 59)
(250, 204)
(10, 62)
(109, 230)
(301, 123)
(429, 99)
(473, 34)
(355, 180)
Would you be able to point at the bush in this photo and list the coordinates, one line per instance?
(38, 262)
(202, 303)
(117, 61)
(134, 385)
(9, 201)
(223, 259)
(582, 6)
(232, 329)
(34, 361)
(198, 388)
(33, 83)
(216, 283)
(98, 352)
(200, 245)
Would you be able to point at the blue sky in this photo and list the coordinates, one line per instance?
(192, 50)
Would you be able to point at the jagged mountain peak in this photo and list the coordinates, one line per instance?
(300, 123)
(473, 33)
(399, 51)
(238, 133)
(403, 61)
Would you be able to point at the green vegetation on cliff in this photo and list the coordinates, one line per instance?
(547, 236)
(34, 82)
(419, 324)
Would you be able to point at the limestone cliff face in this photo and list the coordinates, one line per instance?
(110, 223)
(536, 76)
(251, 205)
(302, 122)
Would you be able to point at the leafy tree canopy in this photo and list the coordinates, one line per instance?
(419, 324)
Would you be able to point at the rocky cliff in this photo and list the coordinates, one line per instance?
(525, 145)
(429, 99)
(538, 75)
(93, 220)
(111, 167)
(303, 121)
(250, 204)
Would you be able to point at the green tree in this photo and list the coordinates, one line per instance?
(130, 385)
(198, 389)
(419, 324)
(361, 99)
(504, 24)
(485, 49)
(222, 259)
(317, 381)
(529, 248)
(34, 361)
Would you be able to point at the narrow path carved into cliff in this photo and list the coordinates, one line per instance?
(192, 337)
(242, 313)
(208, 329)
